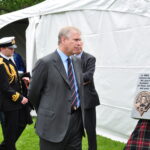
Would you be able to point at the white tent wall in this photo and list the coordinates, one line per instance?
(30, 43)
(120, 42)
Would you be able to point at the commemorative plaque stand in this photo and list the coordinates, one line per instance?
(141, 106)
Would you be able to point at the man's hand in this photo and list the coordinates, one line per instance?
(24, 100)
(26, 81)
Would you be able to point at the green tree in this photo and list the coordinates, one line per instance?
(12, 5)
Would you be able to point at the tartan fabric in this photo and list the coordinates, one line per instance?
(140, 137)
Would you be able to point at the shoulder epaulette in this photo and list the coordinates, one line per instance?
(1, 61)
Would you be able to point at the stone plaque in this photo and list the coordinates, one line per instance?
(141, 106)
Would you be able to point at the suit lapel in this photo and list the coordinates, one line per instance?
(60, 67)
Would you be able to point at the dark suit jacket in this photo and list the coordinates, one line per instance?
(50, 93)
(91, 98)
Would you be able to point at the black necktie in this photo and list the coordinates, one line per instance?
(72, 85)
(11, 62)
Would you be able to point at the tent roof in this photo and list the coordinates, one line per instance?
(56, 6)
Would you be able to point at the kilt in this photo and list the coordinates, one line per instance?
(140, 137)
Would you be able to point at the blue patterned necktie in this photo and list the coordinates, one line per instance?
(72, 85)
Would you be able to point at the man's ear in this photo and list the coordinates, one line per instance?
(63, 39)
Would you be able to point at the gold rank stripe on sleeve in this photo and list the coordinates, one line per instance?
(15, 96)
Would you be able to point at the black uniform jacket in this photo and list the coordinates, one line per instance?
(10, 86)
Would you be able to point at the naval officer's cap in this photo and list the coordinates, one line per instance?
(8, 42)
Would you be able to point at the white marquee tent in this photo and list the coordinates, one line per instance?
(116, 32)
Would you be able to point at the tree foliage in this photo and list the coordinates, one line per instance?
(12, 5)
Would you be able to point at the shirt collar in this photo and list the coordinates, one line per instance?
(63, 56)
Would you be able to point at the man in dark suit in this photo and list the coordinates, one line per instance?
(12, 101)
(91, 99)
(55, 91)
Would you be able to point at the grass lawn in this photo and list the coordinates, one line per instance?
(29, 141)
